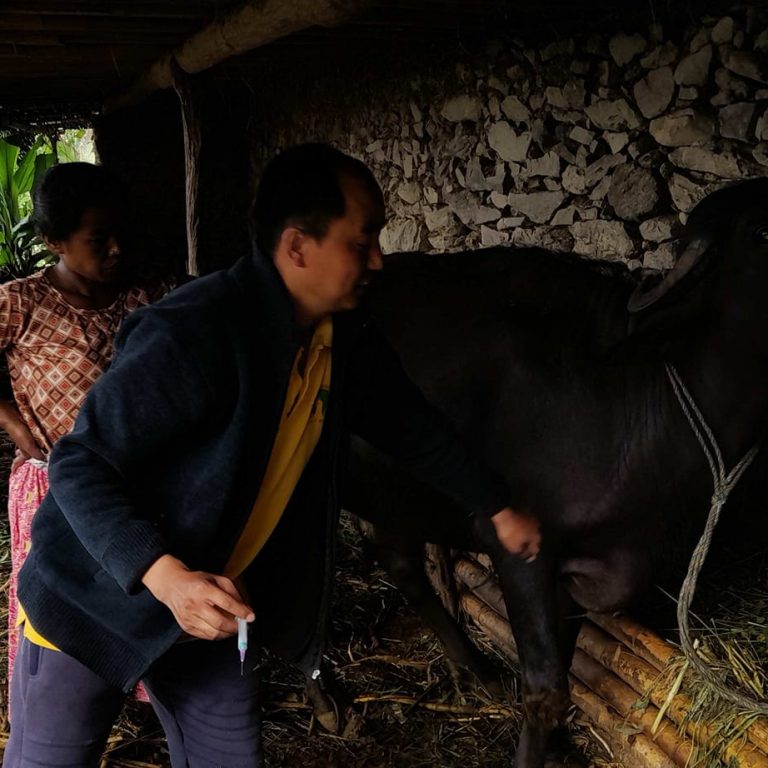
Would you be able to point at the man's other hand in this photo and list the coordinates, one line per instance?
(518, 532)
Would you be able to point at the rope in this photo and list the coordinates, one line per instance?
(723, 485)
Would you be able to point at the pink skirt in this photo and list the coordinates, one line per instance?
(27, 487)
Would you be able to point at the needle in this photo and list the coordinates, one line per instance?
(242, 640)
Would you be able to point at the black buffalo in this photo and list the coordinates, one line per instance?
(563, 389)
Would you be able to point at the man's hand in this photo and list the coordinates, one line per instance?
(518, 532)
(18, 431)
(203, 604)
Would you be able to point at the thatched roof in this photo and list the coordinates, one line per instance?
(62, 60)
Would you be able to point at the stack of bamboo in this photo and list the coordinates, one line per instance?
(618, 667)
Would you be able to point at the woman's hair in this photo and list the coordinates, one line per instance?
(302, 187)
(65, 192)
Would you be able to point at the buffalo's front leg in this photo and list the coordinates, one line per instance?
(544, 642)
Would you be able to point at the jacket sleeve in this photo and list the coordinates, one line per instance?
(389, 411)
(152, 396)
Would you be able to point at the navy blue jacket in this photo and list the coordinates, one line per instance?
(168, 453)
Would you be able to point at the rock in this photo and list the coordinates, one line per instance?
(735, 120)
(760, 153)
(601, 190)
(490, 237)
(498, 84)
(654, 92)
(499, 199)
(588, 214)
(515, 110)
(470, 211)
(624, 48)
(601, 240)
(564, 217)
(431, 196)
(415, 112)
(580, 67)
(662, 56)
(581, 135)
(546, 165)
(660, 258)
(374, 146)
(706, 161)
(403, 235)
(687, 93)
(730, 84)
(477, 181)
(460, 108)
(683, 128)
(613, 115)
(634, 192)
(555, 97)
(510, 222)
(596, 171)
(550, 238)
(659, 228)
(410, 192)
(761, 127)
(562, 151)
(569, 97)
(744, 64)
(685, 193)
(722, 32)
(699, 40)
(616, 141)
(441, 220)
(507, 144)
(694, 69)
(574, 181)
(537, 206)
(558, 48)
(761, 41)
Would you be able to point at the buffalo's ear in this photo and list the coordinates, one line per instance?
(642, 298)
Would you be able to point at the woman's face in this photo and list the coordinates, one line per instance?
(92, 251)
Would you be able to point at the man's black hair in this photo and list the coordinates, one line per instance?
(65, 192)
(301, 187)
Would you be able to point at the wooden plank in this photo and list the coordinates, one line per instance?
(254, 24)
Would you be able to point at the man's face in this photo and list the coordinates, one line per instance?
(341, 263)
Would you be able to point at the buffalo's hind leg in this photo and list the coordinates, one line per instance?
(403, 559)
(545, 639)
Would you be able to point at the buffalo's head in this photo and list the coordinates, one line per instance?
(727, 230)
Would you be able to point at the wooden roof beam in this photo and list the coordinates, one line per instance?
(256, 23)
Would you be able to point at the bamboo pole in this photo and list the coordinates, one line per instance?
(254, 24)
(637, 752)
(624, 700)
(644, 679)
(639, 639)
(482, 583)
(644, 643)
(634, 751)
(636, 673)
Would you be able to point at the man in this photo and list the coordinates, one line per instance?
(200, 484)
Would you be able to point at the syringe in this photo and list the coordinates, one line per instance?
(242, 640)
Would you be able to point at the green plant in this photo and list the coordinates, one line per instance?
(20, 250)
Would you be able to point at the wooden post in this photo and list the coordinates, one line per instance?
(190, 119)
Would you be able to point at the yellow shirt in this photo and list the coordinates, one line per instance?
(297, 436)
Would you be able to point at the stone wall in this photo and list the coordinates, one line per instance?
(598, 145)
